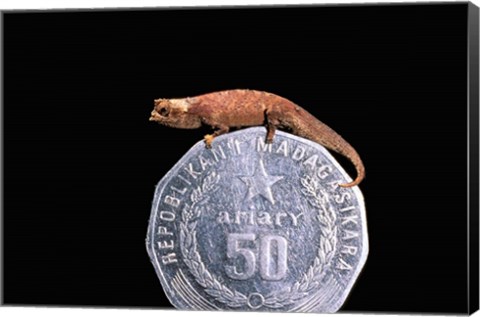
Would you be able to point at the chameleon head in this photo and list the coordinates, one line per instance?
(174, 113)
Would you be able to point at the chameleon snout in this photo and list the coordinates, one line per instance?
(154, 116)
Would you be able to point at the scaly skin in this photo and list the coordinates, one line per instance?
(244, 108)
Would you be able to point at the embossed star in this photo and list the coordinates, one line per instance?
(260, 183)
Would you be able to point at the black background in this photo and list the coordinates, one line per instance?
(81, 158)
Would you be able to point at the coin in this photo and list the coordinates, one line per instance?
(247, 225)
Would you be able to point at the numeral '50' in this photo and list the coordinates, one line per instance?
(265, 263)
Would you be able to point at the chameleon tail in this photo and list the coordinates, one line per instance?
(315, 130)
(357, 162)
(344, 148)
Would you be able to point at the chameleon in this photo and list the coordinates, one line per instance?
(241, 108)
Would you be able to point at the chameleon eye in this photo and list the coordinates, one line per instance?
(164, 112)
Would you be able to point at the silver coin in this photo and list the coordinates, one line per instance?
(247, 225)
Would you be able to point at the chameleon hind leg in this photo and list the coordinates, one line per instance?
(209, 137)
(271, 117)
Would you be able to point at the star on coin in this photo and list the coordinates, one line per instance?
(260, 183)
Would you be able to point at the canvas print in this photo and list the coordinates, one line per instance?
(301, 158)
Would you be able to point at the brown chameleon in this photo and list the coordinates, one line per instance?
(243, 108)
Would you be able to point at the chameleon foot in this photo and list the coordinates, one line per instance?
(208, 140)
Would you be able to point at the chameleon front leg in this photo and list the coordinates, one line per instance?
(209, 137)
